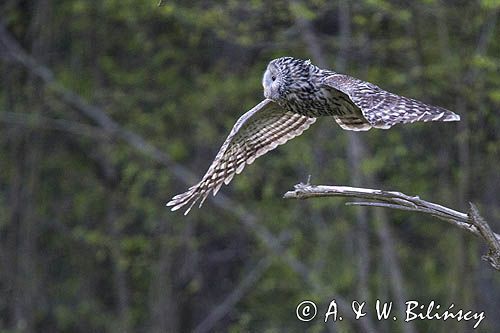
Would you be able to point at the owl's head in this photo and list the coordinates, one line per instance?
(282, 74)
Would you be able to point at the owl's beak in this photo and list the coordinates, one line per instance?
(269, 94)
(266, 94)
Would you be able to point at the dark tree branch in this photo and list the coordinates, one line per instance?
(313, 44)
(246, 284)
(34, 121)
(472, 222)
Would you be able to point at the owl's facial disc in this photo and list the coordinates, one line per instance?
(271, 82)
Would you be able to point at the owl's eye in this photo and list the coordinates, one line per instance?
(273, 78)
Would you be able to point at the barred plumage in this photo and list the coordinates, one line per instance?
(297, 92)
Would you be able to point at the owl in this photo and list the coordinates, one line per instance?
(296, 93)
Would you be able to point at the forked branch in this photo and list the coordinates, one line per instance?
(471, 222)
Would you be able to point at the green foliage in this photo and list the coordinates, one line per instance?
(83, 226)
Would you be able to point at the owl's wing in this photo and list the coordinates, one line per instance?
(383, 109)
(258, 131)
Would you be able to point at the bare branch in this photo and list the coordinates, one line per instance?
(472, 222)
(493, 255)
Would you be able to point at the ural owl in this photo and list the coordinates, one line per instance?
(296, 93)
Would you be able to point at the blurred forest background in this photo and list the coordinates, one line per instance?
(109, 108)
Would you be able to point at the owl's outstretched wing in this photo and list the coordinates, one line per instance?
(258, 131)
(383, 109)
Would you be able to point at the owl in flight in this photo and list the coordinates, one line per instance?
(296, 93)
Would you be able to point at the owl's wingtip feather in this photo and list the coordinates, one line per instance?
(173, 209)
(180, 200)
(452, 117)
(188, 210)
